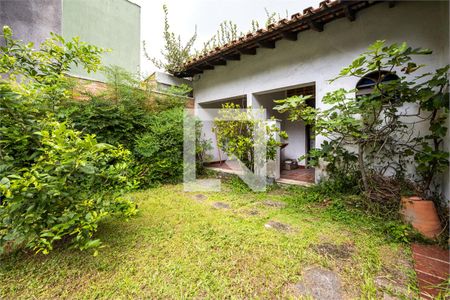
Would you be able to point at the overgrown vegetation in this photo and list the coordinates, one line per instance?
(65, 163)
(55, 183)
(176, 53)
(370, 131)
(160, 149)
(228, 31)
(147, 124)
(200, 251)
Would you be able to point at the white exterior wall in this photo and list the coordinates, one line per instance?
(295, 130)
(169, 80)
(319, 56)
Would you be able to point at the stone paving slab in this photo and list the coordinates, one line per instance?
(344, 251)
(317, 283)
(221, 205)
(278, 226)
(274, 204)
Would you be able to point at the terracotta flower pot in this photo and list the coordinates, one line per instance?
(422, 215)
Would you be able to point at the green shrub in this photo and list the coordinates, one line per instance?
(70, 187)
(160, 148)
(55, 184)
(150, 125)
(116, 124)
(117, 116)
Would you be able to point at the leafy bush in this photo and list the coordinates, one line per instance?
(148, 124)
(372, 132)
(160, 148)
(116, 124)
(175, 96)
(33, 88)
(72, 185)
(54, 183)
(116, 117)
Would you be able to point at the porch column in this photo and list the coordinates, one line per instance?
(252, 101)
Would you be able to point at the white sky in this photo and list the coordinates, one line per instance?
(184, 15)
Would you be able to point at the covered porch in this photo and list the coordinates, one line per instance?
(289, 168)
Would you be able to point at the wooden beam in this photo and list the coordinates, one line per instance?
(290, 36)
(316, 26)
(349, 13)
(267, 44)
(236, 56)
(248, 51)
(220, 62)
(207, 67)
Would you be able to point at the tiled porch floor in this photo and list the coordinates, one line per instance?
(297, 175)
(300, 174)
(432, 268)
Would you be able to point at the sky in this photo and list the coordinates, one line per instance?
(206, 15)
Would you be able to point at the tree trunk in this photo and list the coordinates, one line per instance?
(362, 168)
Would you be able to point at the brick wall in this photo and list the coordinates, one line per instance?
(83, 88)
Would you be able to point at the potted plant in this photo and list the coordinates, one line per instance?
(421, 214)
(429, 155)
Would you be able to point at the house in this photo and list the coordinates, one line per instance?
(111, 24)
(161, 82)
(299, 56)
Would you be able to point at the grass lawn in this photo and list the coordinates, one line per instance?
(186, 245)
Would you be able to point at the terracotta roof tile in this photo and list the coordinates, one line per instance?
(325, 13)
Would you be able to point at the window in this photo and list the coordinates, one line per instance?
(366, 84)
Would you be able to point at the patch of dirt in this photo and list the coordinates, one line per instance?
(200, 197)
(318, 283)
(274, 204)
(221, 205)
(389, 288)
(393, 279)
(278, 226)
(343, 251)
(251, 212)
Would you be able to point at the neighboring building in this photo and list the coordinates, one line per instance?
(160, 82)
(112, 24)
(300, 55)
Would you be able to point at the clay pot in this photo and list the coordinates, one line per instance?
(422, 215)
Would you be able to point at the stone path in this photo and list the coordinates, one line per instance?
(251, 212)
(200, 197)
(278, 226)
(318, 283)
(274, 204)
(432, 268)
(221, 205)
(343, 251)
